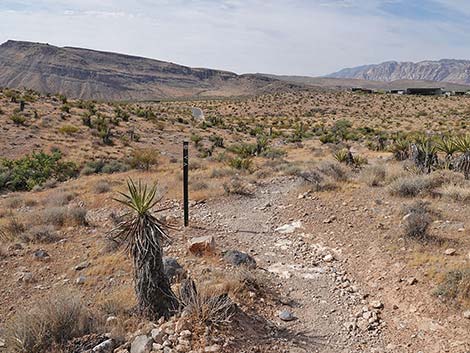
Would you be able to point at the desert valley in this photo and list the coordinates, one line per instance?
(320, 219)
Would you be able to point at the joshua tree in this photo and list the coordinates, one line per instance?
(144, 236)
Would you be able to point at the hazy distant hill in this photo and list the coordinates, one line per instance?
(342, 83)
(90, 74)
(446, 70)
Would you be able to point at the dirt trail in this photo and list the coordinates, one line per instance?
(315, 288)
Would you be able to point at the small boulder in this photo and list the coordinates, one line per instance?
(201, 245)
(238, 258)
(286, 315)
(82, 266)
(450, 252)
(172, 269)
(41, 255)
(212, 349)
(466, 314)
(142, 344)
(105, 347)
(376, 304)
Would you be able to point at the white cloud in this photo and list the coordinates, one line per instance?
(278, 36)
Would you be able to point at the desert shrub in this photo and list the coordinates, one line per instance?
(54, 215)
(455, 286)
(414, 185)
(102, 187)
(13, 202)
(13, 227)
(199, 185)
(50, 323)
(244, 150)
(334, 170)
(417, 219)
(144, 158)
(40, 234)
(221, 172)
(237, 186)
(203, 307)
(317, 180)
(77, 215)
(68, 129)
(373, 175)
(35, 169)
(115, 167)
(241, 163)
(61, 198)
(18, 119)
(456, 192)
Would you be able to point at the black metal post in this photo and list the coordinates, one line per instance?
(185, 182)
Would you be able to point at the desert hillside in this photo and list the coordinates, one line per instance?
(90, 74)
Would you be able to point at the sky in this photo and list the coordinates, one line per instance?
(291, 37)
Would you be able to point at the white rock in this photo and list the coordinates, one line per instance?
(141, 344)
(289, 228)
(328, 258)
(466, 314)
(450, 252)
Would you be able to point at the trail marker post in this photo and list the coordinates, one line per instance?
(185, 182)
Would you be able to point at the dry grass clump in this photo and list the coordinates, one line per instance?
(455, 286)
(61, 198)
(120, 302)
(456, 192)
(13, 202)
(77, 216)
(204, 307)
(221, 172)
(40, 234)
(60, 216)
(414, 185)
(333, 170)
(373, 175)
(237, 186)
(54, 215)
(50, 323)
(417, 219)
(102, 187)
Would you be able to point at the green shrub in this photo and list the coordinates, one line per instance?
(144, 158)
(68, 129)
(35, 169)
(241, 163)
(18, 119)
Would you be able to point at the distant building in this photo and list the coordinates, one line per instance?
(362, 90)
(425, 91)
(397, 91)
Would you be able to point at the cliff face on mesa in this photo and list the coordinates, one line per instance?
(447, 70)
(90, 74)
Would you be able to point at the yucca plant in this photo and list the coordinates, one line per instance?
(463, 143)
(400, 149)
(144, 236)
(447, 145)
(341, 155)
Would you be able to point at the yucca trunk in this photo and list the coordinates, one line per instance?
(154, 295)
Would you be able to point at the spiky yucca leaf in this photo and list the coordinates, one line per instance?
(463, 143)
(447, 145)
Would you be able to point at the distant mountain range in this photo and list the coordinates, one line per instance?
(446, 70)
(90, 74)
